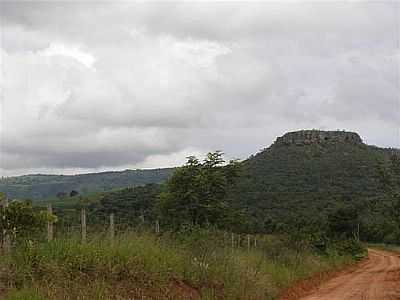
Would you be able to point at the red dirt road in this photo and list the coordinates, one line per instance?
(376, 279)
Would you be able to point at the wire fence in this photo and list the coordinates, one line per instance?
(85, 223)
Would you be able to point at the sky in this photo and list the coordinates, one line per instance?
(96, 85)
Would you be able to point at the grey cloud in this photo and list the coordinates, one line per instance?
(168, 78)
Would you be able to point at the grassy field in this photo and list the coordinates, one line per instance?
(146, 266)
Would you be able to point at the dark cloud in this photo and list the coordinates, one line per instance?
(101, 85)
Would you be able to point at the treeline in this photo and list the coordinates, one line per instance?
(44, 187)
(205, 194)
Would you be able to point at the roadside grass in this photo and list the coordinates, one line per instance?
(24, 294)
(142, 265)
(387, 247)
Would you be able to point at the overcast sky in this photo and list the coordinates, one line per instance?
(89, 86)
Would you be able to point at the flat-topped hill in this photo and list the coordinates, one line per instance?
(310, 171)
(307, 137)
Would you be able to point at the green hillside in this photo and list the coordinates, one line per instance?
(310, 173)
(38, 187)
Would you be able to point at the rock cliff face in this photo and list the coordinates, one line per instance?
(308, 137)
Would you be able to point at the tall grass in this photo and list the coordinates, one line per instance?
(387, 247)
(146, 266)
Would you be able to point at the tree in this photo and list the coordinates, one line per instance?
(129, 204)
(19, 218)
(344, 222)
(196, 193)
(3, 198)
(73, 193)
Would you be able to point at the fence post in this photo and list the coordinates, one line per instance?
(83, 224)
(232, 240)
(157, 226)
(6, 235)
(50, 228)
(238, 243)
(112, 228)
(142, 216)
(255, 242)
(248, 242)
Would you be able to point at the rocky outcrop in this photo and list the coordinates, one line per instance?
(308, 137)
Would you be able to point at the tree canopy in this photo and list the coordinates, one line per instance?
(196, 193)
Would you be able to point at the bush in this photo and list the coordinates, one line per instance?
(350, 247)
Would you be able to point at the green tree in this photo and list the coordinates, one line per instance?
(129, 204)
(20, 219)
(344, 222)
(196, 193)
(3, 198)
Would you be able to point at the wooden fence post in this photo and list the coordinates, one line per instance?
(255, 242)
(83, 224)
(50, 228)
(157, 226)
(112, 228)
(142, 217)
(6, 235)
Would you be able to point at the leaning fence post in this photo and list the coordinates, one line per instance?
(112, 228)
(83, 224)
(50, 228)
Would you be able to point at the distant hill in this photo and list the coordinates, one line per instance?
(39, 186)
(309, 172)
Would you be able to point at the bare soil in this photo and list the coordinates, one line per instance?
(378, 278)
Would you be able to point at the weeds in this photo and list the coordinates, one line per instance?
(143, 265)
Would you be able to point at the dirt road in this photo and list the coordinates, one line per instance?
(376, 279)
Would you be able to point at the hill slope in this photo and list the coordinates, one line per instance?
(45, 186)
(308, 172)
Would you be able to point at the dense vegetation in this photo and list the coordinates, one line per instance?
(39, 187)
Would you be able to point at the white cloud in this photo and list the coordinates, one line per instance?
(74, 52)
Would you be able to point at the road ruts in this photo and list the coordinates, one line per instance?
(376, 279)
